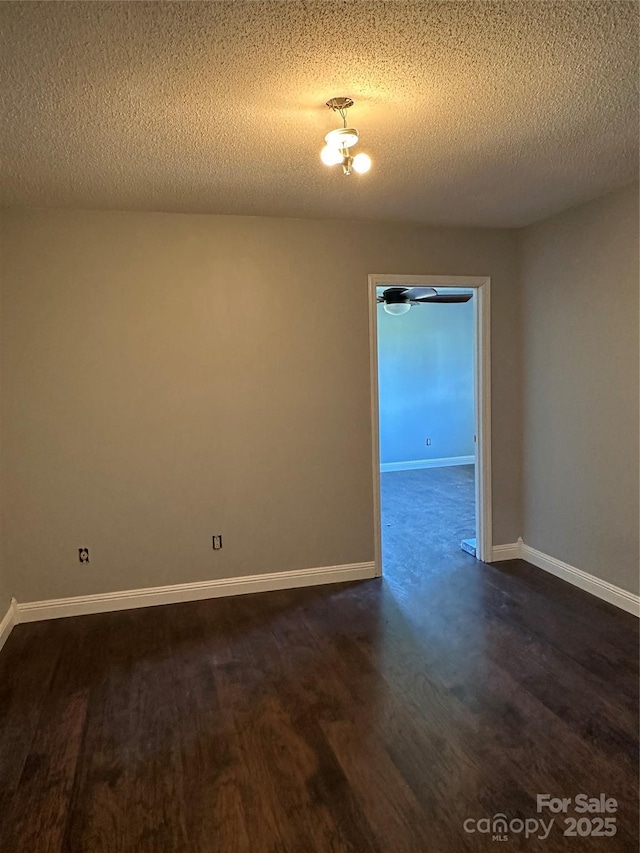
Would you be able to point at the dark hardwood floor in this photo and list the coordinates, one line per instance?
(376, 716)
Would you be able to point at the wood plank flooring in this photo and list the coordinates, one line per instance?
(375, 716)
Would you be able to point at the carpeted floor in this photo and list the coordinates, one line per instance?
(425, 515)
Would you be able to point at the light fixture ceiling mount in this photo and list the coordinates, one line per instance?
(339, 104)
(337, 150)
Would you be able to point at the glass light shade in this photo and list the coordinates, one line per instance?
(342, 137)
(362, 162)
(331, 156)
(396, 307)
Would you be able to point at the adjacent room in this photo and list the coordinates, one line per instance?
(236, 615)
(427, 429)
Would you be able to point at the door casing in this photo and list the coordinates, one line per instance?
(482, 397)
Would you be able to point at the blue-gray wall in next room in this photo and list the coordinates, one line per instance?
(425, 372)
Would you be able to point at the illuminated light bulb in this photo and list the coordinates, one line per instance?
(362, 162)
(330, 156)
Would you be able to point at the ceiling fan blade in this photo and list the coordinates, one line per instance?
(380, 299)
(419, 292)
(396, 290)
(455, 297)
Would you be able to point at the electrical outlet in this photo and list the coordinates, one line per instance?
(217, 542)
(428, 442)
(83, 555)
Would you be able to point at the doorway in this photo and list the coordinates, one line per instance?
(431, 450)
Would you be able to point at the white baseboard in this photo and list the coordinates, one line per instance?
(596, 586)
(8, 621)
(445, 462)
(34, 611)
(506, 552)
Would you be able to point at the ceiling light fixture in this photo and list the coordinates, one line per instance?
(339, 142)
(396, 307)
(398, 300)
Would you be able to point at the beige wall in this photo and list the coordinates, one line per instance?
(5, 593)
(580, 370)
(168, 377)
(6, 590)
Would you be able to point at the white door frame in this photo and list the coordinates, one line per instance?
(482, 388)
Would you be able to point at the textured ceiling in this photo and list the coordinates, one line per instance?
(474, 113)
